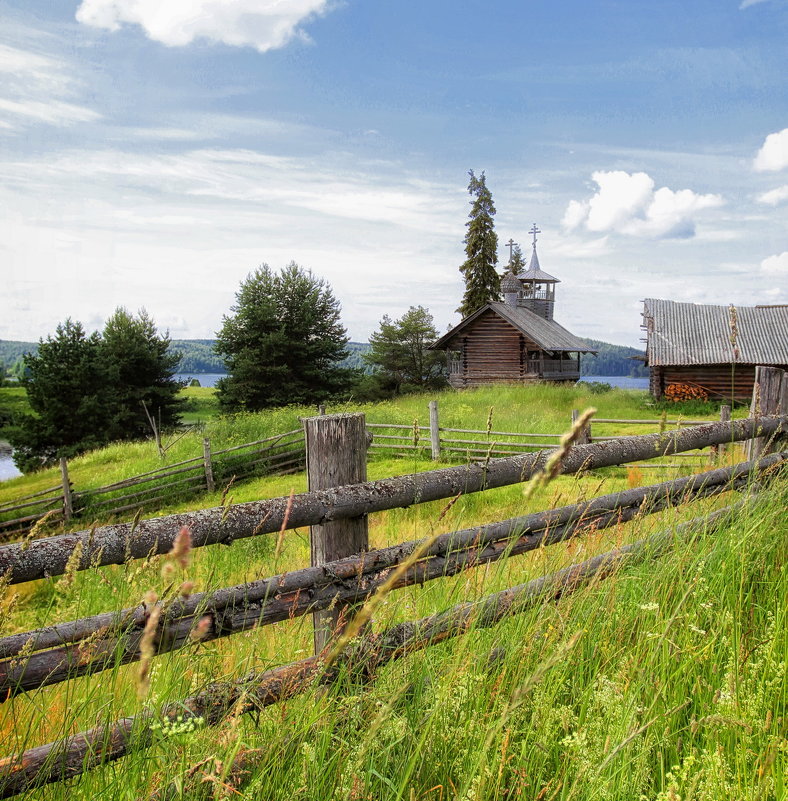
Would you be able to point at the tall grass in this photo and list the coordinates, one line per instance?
(666, 681)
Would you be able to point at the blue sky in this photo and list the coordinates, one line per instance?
(153, 154)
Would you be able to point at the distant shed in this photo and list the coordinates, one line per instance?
(715, 348)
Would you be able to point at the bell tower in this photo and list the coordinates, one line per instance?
(537, 288)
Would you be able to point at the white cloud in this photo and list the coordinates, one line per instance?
(263, 24)
(747, 3)
(177, 232)
(54, 112)
(628, 203)
(773, 154)
(774, 196)
(36, 89)
(776, 265)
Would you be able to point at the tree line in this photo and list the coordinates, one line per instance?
(282, 343)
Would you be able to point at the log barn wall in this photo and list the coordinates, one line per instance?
(721, 381)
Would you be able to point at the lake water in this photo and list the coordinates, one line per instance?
(205, 379)
(7, 466)
(621, 381)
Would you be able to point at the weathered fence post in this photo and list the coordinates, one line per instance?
(336, 454)
(725, 417)
(321, 410)
(585, 437)
(210, 484)
(435, 433)
(68, 502)
(769, 396)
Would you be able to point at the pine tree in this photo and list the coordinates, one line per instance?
(140, 369)
(283, 342)
(482, 282)
(400, 352)
(66, 387)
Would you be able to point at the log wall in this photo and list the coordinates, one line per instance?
(718, 380)
(494, 351)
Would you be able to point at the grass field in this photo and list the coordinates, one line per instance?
(540, 408)
(666, 681)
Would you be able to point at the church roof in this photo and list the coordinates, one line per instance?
(535, 272)
(547, 334)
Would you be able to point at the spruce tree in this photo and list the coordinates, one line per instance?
(517, 264)
(482, 282)
(283, 342)
(140, 369)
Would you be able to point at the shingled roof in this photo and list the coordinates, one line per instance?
(547, 334)
(535, 272)
(690, 333)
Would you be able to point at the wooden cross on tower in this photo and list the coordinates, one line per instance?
(534, 230)
(510, 244)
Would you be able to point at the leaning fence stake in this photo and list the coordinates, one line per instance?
(210, 485)
(68, 502)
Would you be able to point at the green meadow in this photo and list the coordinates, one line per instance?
(667, 681)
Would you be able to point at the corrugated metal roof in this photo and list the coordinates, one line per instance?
(690, 333)
(548, 334)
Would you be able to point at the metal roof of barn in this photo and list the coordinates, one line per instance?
(692, 334)
(547, 334)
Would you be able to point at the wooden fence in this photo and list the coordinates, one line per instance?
(279, 454)
(285, 453)
(44, 656)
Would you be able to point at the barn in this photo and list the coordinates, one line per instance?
(712, 348)
(516, 340)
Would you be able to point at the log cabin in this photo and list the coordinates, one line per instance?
(713, 348)
(516, 340)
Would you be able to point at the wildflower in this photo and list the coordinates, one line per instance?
(653, 606)
(702, 632)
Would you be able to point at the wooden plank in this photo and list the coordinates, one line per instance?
(261, 441)
(396, 425)
(499, 433)
(34, 495)
(766, 400)
(158, 488)
(42, 502)
(653, 422)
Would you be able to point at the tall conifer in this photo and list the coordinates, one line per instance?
(482, 282)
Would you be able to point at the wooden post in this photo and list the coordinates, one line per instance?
(210, 485)
(769, 396)
(321, 410)
(336, 454)
(585, 437)
(435, 434)
(725, 417)
(68, 503)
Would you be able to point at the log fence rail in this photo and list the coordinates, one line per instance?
(284, 453)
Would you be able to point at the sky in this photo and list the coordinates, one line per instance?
(153, 154)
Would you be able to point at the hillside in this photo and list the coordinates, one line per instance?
(197, 356)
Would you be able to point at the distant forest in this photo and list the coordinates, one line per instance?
(197, 356)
